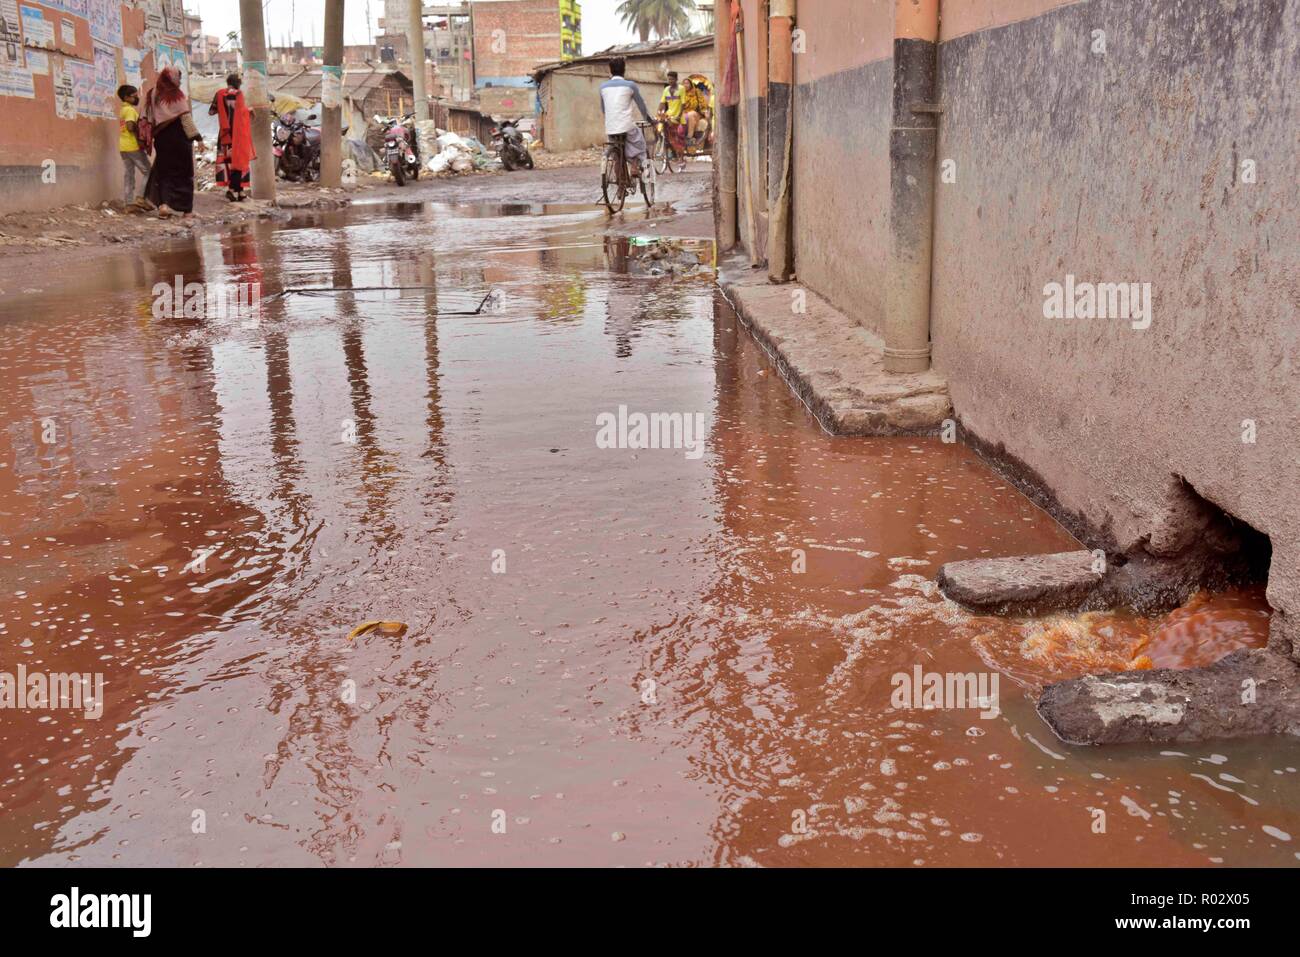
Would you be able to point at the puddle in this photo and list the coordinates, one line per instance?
(698, 653)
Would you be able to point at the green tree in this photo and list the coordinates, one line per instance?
(663, 18)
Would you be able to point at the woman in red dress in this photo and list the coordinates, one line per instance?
(235, 152)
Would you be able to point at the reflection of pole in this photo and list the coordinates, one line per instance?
(253, 36)
(433, 416)
(331, 126)
(415, 40)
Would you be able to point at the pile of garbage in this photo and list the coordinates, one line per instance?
(450, 154)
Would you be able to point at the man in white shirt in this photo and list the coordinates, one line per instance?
(617, 97)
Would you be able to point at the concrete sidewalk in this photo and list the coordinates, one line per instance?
(831, 362)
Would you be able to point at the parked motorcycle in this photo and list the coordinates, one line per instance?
(510, 146)
(401, 150)
(297, 148)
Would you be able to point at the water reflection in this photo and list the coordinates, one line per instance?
(355, 456)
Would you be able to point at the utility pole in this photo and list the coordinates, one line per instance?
(331, 126)
(252, 34)
(415, 40)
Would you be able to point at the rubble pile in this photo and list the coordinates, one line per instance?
(456, 154)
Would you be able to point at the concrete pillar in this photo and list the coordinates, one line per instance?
(331, 126)
(780, 126)
(252, 34)
(913, 142)
(725, 134)
(415, 40)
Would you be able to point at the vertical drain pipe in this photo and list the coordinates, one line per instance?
(724, 87)
(913, 144)
(780, 90)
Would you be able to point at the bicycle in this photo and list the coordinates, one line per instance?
(666, 157)
(616, 182)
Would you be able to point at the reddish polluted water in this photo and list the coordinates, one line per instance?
(611, 655)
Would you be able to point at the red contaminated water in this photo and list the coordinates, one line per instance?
(613, 656)
(1203, 630)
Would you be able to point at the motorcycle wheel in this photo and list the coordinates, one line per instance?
(528, 159)
(507, 162)
(399, 176)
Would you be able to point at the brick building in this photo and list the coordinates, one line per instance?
(512, 38)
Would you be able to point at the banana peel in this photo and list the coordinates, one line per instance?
(396, 628)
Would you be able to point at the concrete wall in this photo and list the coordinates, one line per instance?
(1115, 166)
(83, 147)
(843, 84)
(1127, 166)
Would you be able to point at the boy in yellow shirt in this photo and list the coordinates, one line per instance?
(128, 144)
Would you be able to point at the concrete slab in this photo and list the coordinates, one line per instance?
(1024, 585)
(1249, 692)
(832, 363)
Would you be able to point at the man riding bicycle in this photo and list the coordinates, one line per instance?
(617, 97)
(670, 114)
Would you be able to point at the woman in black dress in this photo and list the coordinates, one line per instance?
(171, 181)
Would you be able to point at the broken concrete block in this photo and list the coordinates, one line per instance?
(1249, 692)
(1025, 585)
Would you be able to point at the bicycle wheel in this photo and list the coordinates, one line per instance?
(610, 190)
(663, 155)
(649, 179)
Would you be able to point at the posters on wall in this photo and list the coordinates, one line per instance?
(15, 75)
(94, 84)
(105, 18)
(132, 66)
(16, 81)
(11, 37)
(166, 55)
(79, 8)
(174, 13)
(85, 88)
(65, 100)
(37, 31)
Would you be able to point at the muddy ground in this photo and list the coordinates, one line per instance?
(76, 235)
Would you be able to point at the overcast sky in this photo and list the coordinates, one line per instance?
(305, 20)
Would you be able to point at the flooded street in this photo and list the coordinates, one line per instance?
(613, 656)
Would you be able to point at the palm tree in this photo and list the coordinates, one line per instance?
(664, 18)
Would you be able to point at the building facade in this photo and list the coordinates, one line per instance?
(1145, 148)
(60, 68)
